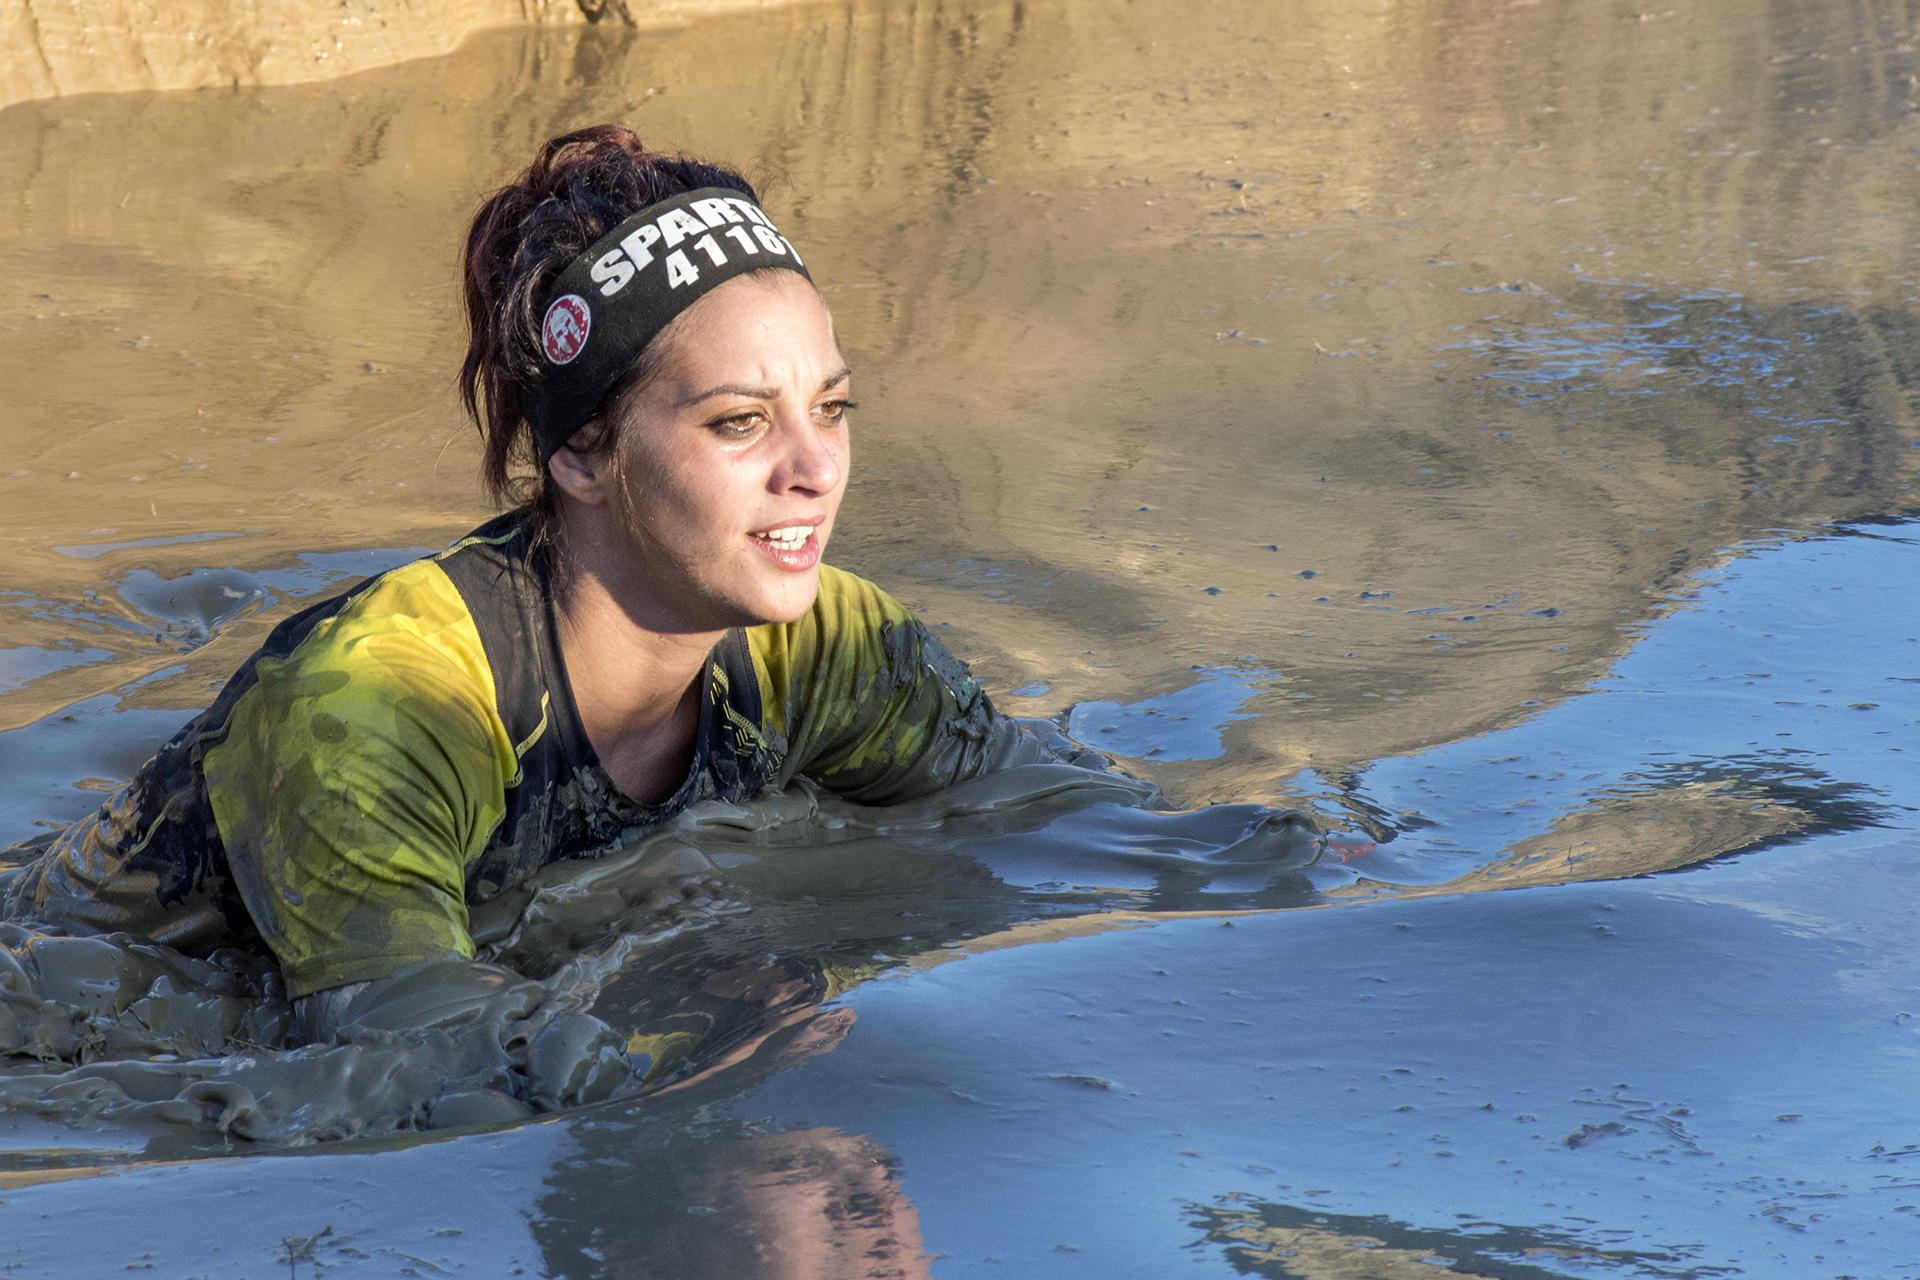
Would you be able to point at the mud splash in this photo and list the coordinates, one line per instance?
(114, 1028)
(707, 948)
(160, 1039)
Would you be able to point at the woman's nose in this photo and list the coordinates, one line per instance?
(812, 459)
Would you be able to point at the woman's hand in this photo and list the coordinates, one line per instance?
(552, 1054)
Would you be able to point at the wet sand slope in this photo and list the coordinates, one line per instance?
(54, 48)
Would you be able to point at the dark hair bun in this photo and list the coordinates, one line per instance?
(580, 186)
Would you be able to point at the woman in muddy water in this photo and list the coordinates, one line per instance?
(649, 626)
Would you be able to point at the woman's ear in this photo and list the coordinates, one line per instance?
(582, 476)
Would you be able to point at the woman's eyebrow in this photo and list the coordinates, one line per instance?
(760, 393)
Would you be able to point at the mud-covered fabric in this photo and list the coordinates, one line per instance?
(871, 706)
(357, 777)
(398, 753)
(150, 862)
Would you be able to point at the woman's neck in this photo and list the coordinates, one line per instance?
(636, 683)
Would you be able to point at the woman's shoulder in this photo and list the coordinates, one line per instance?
(848, 600)
(429, 605)
(411, 613)
(408, 629)
(866, 701)
(382, 678)
(848, 613)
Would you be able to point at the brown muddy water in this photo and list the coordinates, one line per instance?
(1487, 427)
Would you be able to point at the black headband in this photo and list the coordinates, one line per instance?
(617, 297)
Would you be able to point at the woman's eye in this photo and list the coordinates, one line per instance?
(836, 410)
(743, 424)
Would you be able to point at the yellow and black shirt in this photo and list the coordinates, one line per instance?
(395, 754)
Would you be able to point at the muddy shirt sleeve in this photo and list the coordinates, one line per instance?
(359, 777)
(873, 707)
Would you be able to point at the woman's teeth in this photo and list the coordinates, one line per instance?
(788, 539)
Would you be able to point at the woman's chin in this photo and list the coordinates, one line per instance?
(782, 602)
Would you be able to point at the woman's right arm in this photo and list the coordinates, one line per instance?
(555, 1054)
(356, 780)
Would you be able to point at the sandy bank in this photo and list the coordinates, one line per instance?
(51, 48)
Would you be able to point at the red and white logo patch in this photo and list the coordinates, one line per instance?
(564, 331)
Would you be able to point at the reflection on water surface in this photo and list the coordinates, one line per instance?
(1286, 1241)
(1474, 421)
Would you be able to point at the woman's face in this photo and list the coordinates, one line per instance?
(735, 458)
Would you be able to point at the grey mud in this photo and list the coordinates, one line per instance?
(114, 1028)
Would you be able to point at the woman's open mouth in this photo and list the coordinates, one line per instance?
(790, 538)
(793, 547)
